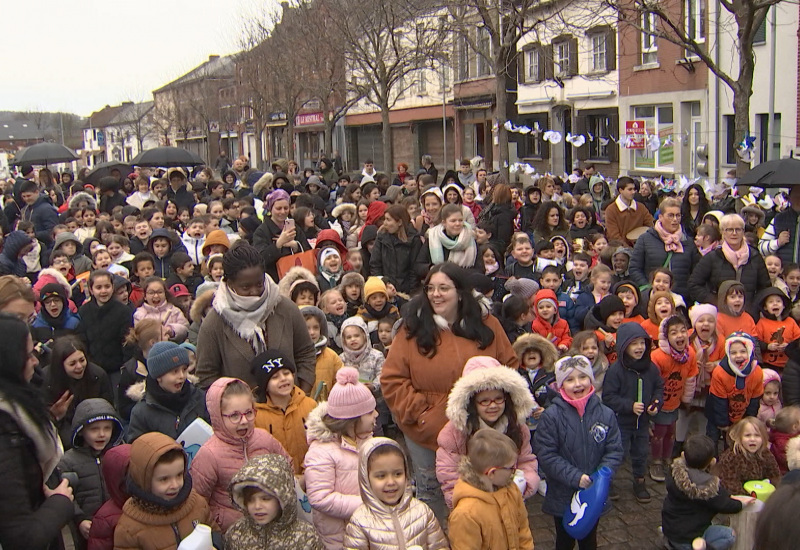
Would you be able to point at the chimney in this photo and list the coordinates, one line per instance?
(212, 58)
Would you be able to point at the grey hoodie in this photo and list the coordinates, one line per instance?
(80, 262)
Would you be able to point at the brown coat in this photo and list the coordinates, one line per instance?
(619, 224)
(222, 352)
(289, 426)
(416, 387)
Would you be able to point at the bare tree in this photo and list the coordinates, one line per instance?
(741, 18)
(163, 121)
(386, 41)
(139, 121)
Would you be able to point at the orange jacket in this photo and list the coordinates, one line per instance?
(558, 333)
(723, 387)
(727, 324)
(769, 331)
(677, 377)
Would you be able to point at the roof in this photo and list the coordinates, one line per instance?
(215, 67)
(19, 130)
(125, 113)
(102, 118)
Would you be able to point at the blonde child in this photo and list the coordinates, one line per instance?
(388, 500)
(232, 410)
(488, 510)
(600, 278)
(785, 426)
(333, 305)
(282, 407)
(576, 436)
(521, 250)
(771, 400)
(157, 306)
(748, 458)
(336, 429)
(263, 490)
(597, 243)
(328, 362)
(141, 338)
(776, 329)
(677, 363)
(491, 395)
(732, 316)
(212, 268)
(587, 343)
(659, 307)
(355, 258)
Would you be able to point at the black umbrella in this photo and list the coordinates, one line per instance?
(104, 169)
(167, 157)
(45, 153)
(773, 173)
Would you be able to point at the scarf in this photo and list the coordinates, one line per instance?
(579, 404)
(330, 276)
(337, 320)
(247, 315)
(501, 425)
(175, 402)
(664, 345)
(320, 346)
(463, 250)
(46, 443)
(742, 374)
(353, 358)
(737, 258)
(493, 268)
(672, 241)
(709, 248)
(375, 314)
(157, 506)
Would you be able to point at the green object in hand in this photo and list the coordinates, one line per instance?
(639, 400)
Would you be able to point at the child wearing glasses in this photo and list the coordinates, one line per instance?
(232, 410)
(158, 305)
(488, 395)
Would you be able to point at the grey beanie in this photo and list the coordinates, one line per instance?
(164, 357)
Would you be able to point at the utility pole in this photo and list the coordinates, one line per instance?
(770, 155)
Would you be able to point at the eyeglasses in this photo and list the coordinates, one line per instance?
(155, 292)
(236, 417)
(496, 401)
(509, 469)
(672, 216)
(60, 261)
(734, 230)
(443, 289)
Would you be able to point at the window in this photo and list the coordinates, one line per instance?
(422, 82)
(561, 58)
(658, 121)
(760, 36)
(483, 42)
(649, 44)
(696, 20)
(533, 65)
(599, 52)
(598, 126)
(463, 59)
(444, 78)
(730, 135)
(764, 130)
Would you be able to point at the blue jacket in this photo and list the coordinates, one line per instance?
(569, 446)
(566, 310)
(621, 384)
(10, 261)
(44, 217)
(583, 304)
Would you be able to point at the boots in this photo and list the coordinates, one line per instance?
(657, 471)
(640, 491)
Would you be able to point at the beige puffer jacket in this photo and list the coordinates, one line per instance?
(377, 526)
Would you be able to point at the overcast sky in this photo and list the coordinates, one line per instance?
(80, 55)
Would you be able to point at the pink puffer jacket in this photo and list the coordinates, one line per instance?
(168, 315)
(223, 455)
(331, 479)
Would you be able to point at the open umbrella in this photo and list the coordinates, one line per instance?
(774, 173)
(45, 153)
(167, 157)
(104, 169)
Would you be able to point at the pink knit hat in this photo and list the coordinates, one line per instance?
(698, 310)
(349, 398)
(770, 376)
(479, 362)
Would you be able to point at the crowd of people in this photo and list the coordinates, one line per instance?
(390, 360)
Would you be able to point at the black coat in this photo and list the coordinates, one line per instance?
(104, 329)
(790, 379)
(148, 415)
(501, 219)
(264, 240)
(649, 254)
(397, 260)
(714, 269)
(27, 519)
(182, 197)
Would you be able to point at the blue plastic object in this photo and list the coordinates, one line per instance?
(587, 504)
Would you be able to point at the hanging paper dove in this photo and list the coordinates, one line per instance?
(476, 161)
(578, 141)
(766, 203)
(603, 141)
(654, 143)
(684, 183)
(552, 136)
(747, 155)
(668, 141)
(748, 142)
(536, 127)
(756, 191)
(591, 136)
(514, 168)
(528, 169)
(509, 126)
(524, 130)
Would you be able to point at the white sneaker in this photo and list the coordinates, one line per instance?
(542, 487)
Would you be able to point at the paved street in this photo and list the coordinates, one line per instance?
(628, 526)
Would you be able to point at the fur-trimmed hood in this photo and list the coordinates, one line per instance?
(488, 378)
(136, 391)
(793, 453)
(201, 303)
(45, 277)
(295, 274)
(83, 196)
(342, 208)
(468, 475)
(316, 430)
(263, 184)
(696, 484)
(536, 342)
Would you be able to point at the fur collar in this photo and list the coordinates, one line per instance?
(468, 475)
(295, 274)
(200, 305)
(696, 484)
(793, 453)
(316, 430)
(136, 391)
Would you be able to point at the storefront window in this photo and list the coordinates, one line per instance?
(658, 121)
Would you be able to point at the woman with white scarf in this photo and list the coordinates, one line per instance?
(249, 316)
(452, 240)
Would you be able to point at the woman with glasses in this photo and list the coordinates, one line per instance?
(35, 505)
(232, 410)
(443, 328)
(665, 245)
(735, 260)
(487, 395)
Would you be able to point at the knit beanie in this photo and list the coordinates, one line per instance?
(566, 365)
(349, 398)
(522, 288)
(164, 357)
(265, 365)
(631, 288)
(352, 278)
(374, 285)
(326, 253)
(609, 305)
(479, 362)
(770, 376)
(218, 236)
(698, 310)
(53, 290)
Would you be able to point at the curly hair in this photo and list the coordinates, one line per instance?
(540, 225)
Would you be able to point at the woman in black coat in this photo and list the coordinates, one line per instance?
(31, 515)
(500, 215)
(396, 250)
(716, 267)
(275, 238)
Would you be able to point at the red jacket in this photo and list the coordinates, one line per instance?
(778, 442)
(104, 522)
(557, 332)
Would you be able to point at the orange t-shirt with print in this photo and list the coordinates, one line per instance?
(728, 324)
(769, 331)
(723, 385)
(674, 375)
